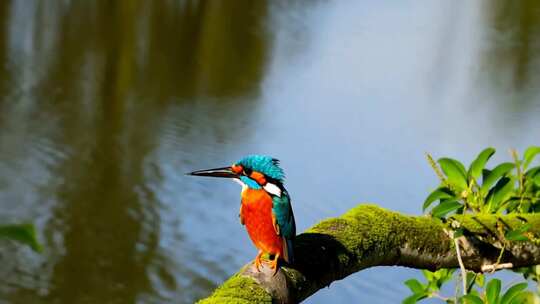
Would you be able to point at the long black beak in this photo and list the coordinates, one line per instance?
(217, 172)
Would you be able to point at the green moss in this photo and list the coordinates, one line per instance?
(494, 227)
(238, 289)
(481, 222)
(367, 229)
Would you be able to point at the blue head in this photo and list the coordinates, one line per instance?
(254, 171)
(266, 165)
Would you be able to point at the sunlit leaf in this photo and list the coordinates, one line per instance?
(518, 234)
(439, 193)
(454, 171)
(493, 289)
(480, 279)
(427, 274)
(414, 298)
(512, 292)
(524, 297)
(23, 233)
(494, 175)
(529, 155)
(472, 299)
(475, 170)
(444, 208)
(444, 275)
(415, 286)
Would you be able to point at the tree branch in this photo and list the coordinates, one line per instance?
(368, 236)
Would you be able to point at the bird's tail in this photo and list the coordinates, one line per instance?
(288, 253)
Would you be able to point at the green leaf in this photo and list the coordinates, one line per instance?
(444, 208)
(537, 180)
(415, 286)
(480, 162)
(428, 274)
(524, 297)
(414, 298)
(454, 171)
(442, 276)
(532, 172)
(23, 233)
(480, 280)
(512, 204)
(531, 175)
(485, 174)
(472, 299)
(501, 191)
(446, 274)
(458, 232)
(512, 292)
(518, 234)
(529, 155)
(494, 175)
(493, 289)
(438, 194)
(471, 277)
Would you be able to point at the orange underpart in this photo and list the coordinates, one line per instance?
(237, 169)
(258, 177)
(257, 214)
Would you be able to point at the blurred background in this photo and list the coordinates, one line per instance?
(104, 105)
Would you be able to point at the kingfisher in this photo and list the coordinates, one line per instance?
(265, 207)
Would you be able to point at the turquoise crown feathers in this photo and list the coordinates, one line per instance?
(265, 164)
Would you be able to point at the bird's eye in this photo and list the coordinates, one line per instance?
(247, 171)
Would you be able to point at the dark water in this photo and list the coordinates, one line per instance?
(105, 105)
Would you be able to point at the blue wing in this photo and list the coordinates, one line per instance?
(282, 210)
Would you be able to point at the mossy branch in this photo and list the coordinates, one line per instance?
(367, 236)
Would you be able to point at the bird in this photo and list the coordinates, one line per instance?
(265, 207)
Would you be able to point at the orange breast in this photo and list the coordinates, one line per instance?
(257, 214)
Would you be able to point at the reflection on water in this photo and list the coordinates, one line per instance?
(87, 91)
(514, 45)
(104, 105)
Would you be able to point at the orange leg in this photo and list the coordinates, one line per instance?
(257, 261)
(275, 224)
(274, 263)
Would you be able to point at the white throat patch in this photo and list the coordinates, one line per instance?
(244, 186)
(272, 189)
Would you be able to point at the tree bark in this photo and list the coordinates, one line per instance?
(367, 236)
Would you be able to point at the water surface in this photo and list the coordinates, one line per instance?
(104, 107)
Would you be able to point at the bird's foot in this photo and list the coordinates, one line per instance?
(274, 264)
(258, 261)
